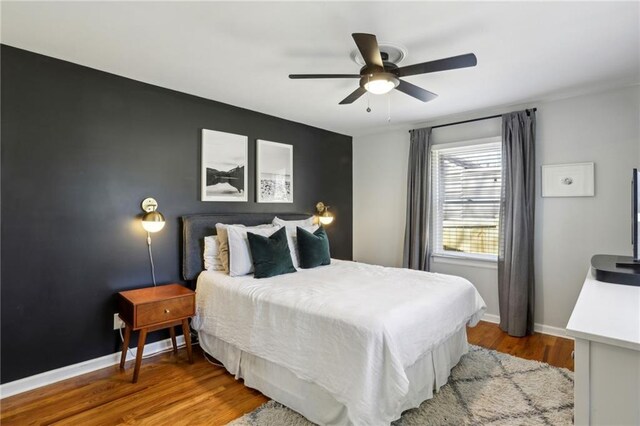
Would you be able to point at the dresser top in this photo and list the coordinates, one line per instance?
(607, 313)
(154, 294)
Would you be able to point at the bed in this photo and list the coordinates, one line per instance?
(346, 343)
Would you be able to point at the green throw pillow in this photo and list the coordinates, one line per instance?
(313, 248)
(271, 255)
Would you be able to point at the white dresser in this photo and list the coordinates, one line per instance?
(606, 326)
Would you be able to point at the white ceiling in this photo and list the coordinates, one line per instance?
(241, 53)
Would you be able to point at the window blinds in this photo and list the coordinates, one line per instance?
(466, 194)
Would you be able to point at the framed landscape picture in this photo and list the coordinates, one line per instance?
(274, 173)
(224, 166)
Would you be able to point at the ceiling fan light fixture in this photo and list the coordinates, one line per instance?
(380, 73)
(380, 83)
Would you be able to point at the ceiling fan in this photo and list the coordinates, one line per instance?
(380, 76)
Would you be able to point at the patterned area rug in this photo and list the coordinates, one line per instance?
(486, 387)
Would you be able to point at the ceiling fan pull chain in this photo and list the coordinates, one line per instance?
(389, 108)
(368, 98)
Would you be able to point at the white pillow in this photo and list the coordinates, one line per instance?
(292, 224)
(292, 236)
(240, 260)
(223, 241)
(211, 254)
(292, 239)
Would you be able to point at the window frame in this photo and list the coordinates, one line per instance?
(452, 257)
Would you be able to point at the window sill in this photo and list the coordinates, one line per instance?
(475, 262)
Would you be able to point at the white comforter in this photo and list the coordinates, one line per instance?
(349, 327)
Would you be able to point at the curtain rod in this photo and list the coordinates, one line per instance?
(475, 119)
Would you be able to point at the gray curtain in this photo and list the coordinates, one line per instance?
(416, 235)
(515, 256)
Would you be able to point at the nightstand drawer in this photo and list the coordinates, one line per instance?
(164, 310)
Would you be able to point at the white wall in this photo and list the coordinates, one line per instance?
(379, 197)
(602, 127)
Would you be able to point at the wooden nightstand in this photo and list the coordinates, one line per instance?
(154, 308)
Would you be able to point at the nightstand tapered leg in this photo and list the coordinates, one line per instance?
(141, 340)
(125, 346)
(172, 332)
(187, 338)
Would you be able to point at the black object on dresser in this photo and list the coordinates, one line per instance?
(616, 269)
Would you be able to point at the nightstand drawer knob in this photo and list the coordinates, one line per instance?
(166, 311)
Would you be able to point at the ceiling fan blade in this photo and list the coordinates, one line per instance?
(416, 92)
(353, 96)
(454, 62)
(302, 76)
(368, 47)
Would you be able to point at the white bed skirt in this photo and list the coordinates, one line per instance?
(429, 373)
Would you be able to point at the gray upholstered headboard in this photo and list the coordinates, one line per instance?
(197, 226)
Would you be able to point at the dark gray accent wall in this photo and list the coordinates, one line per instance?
(81, 148)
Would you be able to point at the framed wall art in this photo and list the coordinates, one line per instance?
(274, 174)
(224, 166)
(568, 180)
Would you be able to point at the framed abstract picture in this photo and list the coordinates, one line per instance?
(274, 172)
(568, 180)
(224, 166)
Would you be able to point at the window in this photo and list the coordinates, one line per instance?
(466, 186)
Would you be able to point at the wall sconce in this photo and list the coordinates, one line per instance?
(324, 217)
(152, 221)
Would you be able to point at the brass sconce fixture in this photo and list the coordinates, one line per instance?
(152, 221)
(324, 217)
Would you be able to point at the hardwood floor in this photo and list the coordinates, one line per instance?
(172, 392)
(553, 350)
(169, 391)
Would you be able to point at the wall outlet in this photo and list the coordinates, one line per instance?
(117, 322)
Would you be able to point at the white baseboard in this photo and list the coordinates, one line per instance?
(540, 328)
(495, 319)
(52, 376)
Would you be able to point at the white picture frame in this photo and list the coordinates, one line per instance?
(274, 172)
(568, 180)
(224, 166)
